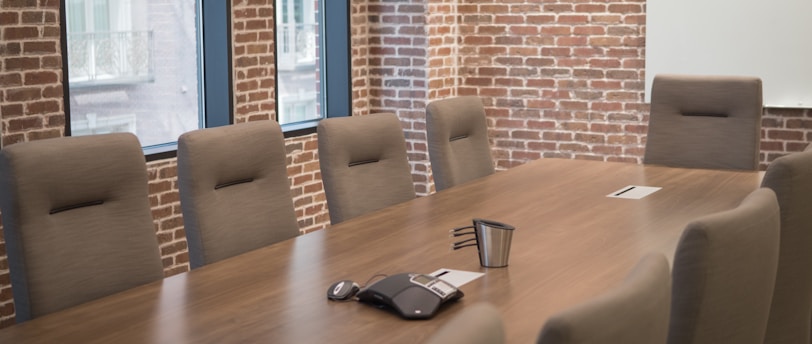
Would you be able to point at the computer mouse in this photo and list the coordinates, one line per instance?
(342, 290)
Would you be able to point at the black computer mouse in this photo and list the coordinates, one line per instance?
(342, 290)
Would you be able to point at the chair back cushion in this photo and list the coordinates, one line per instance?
(457, 133)
(635, 312)
(724, 272)
(791, 178)
(77, 220)
(234, 190)
(705, 122)
(364, 166)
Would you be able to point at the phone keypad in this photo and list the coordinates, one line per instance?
(436, 285)
(438, 291)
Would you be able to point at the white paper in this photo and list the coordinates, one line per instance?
(634, 192)
(457, 278)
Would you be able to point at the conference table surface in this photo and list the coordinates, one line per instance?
(571, 243)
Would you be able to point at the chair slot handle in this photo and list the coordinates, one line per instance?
(460, 137)
(75, 206)
(356, 163)
(703, 114)
(239, 181)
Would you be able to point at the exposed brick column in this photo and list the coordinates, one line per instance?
(360, 59)
(398, 73)
(443, 49)
(167, 216)
(305, 178)
(443, 55)
(6, 303)
(30, 71)
(253, 60)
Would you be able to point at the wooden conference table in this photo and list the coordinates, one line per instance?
(571, 243)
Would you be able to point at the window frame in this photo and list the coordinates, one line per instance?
(336, 76)
(215, 56)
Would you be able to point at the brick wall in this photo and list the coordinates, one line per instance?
(30, 71)
(784, 131)
(398, 70)
(253, 36)
(560, 79)
(359, 56)
(305, 178)
(168, 219)
(443, 61)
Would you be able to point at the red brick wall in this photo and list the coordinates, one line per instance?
(359, 54)
(784, 131)
(398, 69)
(443, 59)
(252, 37)
(30, 71)
(168, 219)
(305, 178)
(560, 78)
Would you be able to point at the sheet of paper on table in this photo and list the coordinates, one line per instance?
(456, 278)
(634, 192)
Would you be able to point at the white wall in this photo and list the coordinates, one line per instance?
(768, 39)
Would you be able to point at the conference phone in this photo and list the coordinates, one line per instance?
(410, 295)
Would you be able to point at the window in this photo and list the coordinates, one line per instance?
(151, 67)
(313, 61)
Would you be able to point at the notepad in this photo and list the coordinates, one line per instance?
(634, 192)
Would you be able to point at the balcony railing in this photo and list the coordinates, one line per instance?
(99, 58)
(297, 46)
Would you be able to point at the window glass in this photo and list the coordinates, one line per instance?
(298, 58)
(134, 66)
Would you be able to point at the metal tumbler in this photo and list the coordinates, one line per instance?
(493, 242)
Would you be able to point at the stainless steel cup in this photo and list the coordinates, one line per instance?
(493, 242)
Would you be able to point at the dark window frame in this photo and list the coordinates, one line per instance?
(217, 98)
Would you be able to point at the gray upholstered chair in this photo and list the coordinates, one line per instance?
(234, 190)
(705, 122)
(77, 221)
(724, 272)
(479, 323)
(364, 166)
(457, 134)
(791, 178)
(635, 312)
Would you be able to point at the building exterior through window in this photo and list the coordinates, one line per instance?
(134, 66)
(297, 50)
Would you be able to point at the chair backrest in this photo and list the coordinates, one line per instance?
(791, 178)
(457, 133)
(635, 312)
(479, 323)
(234, 190)
(705, 122)
(724, 272)
(77, 221)
(364, 166)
